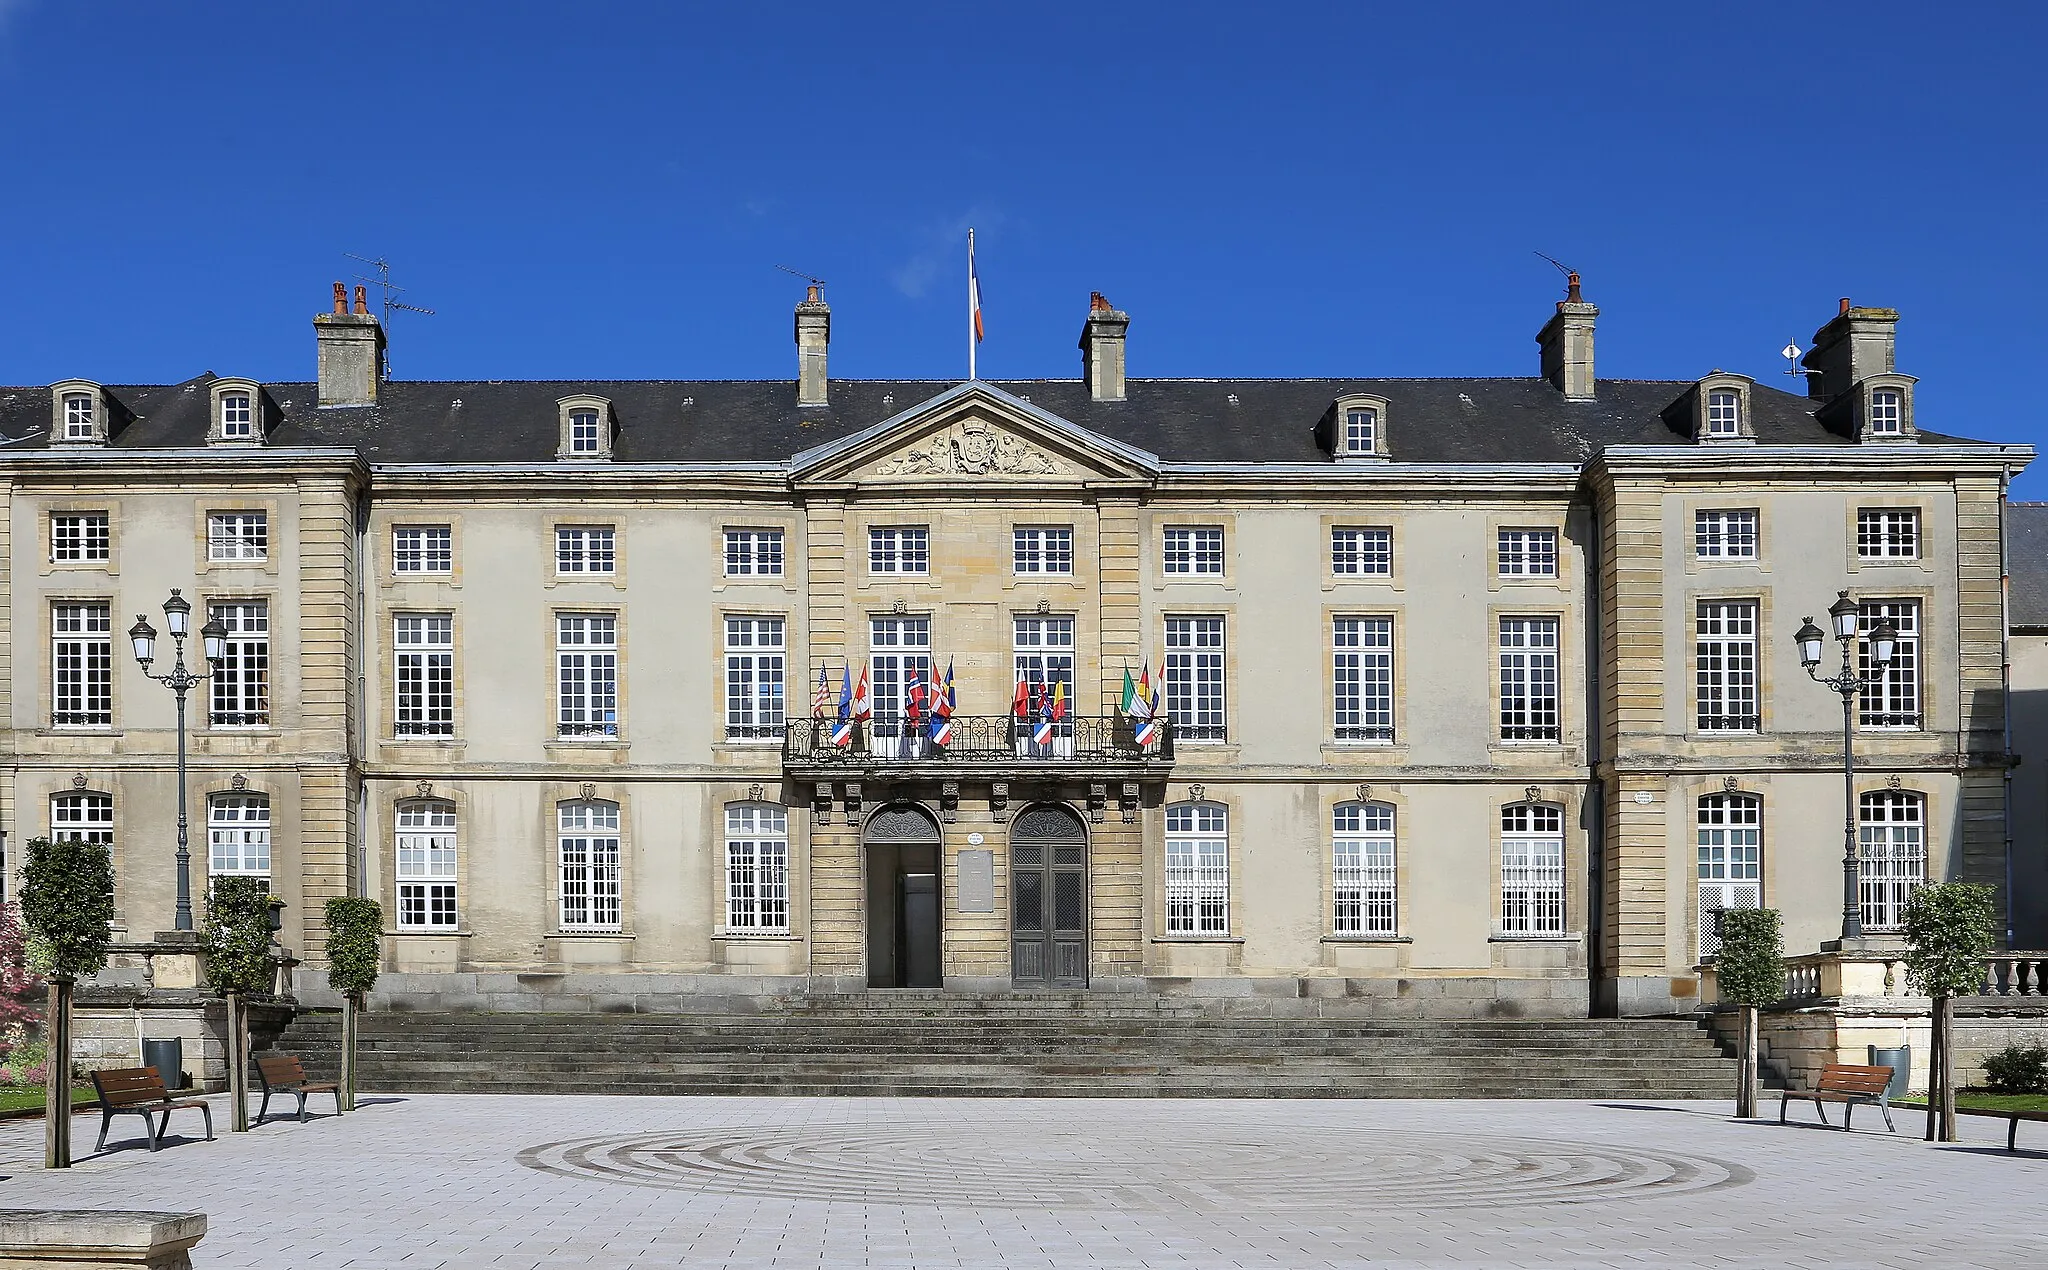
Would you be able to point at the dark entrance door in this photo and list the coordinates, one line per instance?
(901, 843)
(1049, 898)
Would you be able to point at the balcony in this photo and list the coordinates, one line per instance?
(983, 746)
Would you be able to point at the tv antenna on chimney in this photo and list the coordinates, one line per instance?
(816, 282)
(1571, 275)
(387, 293)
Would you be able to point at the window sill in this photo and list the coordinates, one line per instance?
(83, 730)
(1368, 939)
(1198, 939)
(424, 932)
(449, 741)
(1568, 937)
(589, 934)
(590, 742)
(757, 936)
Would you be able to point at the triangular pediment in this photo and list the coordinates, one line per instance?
(975, 433)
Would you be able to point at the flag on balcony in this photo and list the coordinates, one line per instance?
(1020, 700)
(1059, 701)
(842, 727)
(863, 704)
(822, 698)
(1042, 734)
(942, 707)
(1145, 706)
(914, 697)
(1130, 698)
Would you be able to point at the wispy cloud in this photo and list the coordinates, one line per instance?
(941, 249)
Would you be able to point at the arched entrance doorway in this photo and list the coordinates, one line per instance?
(1049, 898)
(901, 846)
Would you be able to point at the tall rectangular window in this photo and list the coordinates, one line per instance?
(426, 866)
(1887, 415)
(237, 420)
(1528, 553)
(1895, 701)
(1362, 869)
(1724, 535)
(241, 678)
(753, 553)
(1043, 663)
(754, 670)
(1194, 678)
(1888, 533)
(422, 549)
(1730, 861)
(80, 419)
(587, 853)
(82, 666)
(586, 549)
(238, 835)
(1042, 549)
(1724, 413)
(587, 674)
(237, 536)
(1892, 841)
(1529, 679)
(1362, 678)
(900, 549)
(82, 817)
(757, 868)
(900, 656)
(1197, 869)
(79, 537)
(1531, 869)
(1192, 550)
(1356, 552)
(424, 661)
(1361, 430)
(1724, 665)
(584, 434)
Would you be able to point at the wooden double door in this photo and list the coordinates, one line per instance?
(1049, 898)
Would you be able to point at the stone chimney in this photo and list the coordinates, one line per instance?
(351, 352)
(1855, 345)
(813, 333)
(1102, 349)
(1567, 341)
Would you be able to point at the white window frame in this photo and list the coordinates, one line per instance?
(1363, 874)
(81, 538)
(756, 670)
(1531, 679)
(237, 416)
(586, 430)
(1042, 550)
(81, 664)
(588, 866)
(1730, 861)
(1361, 430)
(1725, 533)
(1724, 412)
(82, 816)
(1197, 870)
(240, 688)
(1527, 553)
(1896, 703)
(587, 676)
(1362, 679)
(1887, 412)
(586, 551)
(1362, 551)
(753, 553)
(1191, 551)
(239, 536)
(1891, 839)
(1726, 691)
(1532, 872)
(423, 549)
(1888, 535)
(1042, 656)
(425, 855)
(81, 417)
(900, 550)
(1196, 674)
(423, 674)
(238, 835)
(757, 868)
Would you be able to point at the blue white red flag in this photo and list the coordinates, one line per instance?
(942, 707)
(842, 728)
(1042, 734)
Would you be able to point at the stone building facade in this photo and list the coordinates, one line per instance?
(1476, 695)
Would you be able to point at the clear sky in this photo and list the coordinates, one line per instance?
(604, 190)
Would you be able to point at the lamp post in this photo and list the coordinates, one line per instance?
(178, 618)
(1846, 616)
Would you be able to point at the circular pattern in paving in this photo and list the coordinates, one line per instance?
(1219, 1170)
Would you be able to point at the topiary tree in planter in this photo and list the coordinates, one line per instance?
(1950, 928)
(238, 962)
(67, 903)
(1750, 972)
(355, 932)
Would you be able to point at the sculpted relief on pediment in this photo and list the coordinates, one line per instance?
(972, 448)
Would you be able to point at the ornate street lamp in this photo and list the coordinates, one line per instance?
(178, 619)
(1846, 616)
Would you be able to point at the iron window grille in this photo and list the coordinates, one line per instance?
(587, 858)
(426, 872)
(1730, 862)
(1532, 869)
(1362, 869)
(1197, 869)
(1892, 851)
(757, 868)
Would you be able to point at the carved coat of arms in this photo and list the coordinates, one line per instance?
(973, 449)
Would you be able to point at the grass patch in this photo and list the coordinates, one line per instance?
(1980, 1101)
(15, 1097)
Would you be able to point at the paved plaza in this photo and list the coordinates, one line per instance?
(421, 1181)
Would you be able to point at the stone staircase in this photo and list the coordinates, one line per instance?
(1022, 1045)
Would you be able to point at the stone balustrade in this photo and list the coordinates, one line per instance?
(1833, 975)
(54, 1238)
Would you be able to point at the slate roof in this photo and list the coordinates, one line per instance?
(757, 421)
(2026, 561)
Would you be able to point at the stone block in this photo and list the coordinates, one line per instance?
(50, 1239)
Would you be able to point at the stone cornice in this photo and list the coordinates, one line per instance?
(1804, 461)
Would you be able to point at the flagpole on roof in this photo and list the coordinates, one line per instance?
(972, 299)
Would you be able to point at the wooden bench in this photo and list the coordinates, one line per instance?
(284, 1074)
(1849, 1085)
(2012, 1131)
(140, 1091)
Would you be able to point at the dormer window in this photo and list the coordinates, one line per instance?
(1881, 407)
(1718, 409)
(1887, 412)
(78, 411)
(1357, 428)
(1724, 413)
(234, 415)
(586, 428)
(81, 417)
(237, 413)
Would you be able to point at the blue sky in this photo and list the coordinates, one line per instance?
(1268, 190)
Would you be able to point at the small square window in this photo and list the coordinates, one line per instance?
(1724, 413)
(238, 536)
(1888, 533)
(905, 549)
(584, 437)
(79, 537)
(1361, 430)
(753, 553)
(1362, 552)
(1528, 553)
(1887, 412)
(586, 549)
(1193, 550)
(1724, 535)
(1043, 550)
(422, 549)
(237, 417)
(81, 418)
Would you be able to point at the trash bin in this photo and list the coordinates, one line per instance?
(168, 1057)
(1900, 1060)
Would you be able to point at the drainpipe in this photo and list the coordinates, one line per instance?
(2005, 691)
(359, 599)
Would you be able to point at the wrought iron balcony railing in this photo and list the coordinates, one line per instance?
(977, 739)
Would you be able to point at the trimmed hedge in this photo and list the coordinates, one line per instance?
(355, 931)
(238, 935)
(67, 903)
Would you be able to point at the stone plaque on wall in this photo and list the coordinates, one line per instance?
(977, 881)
